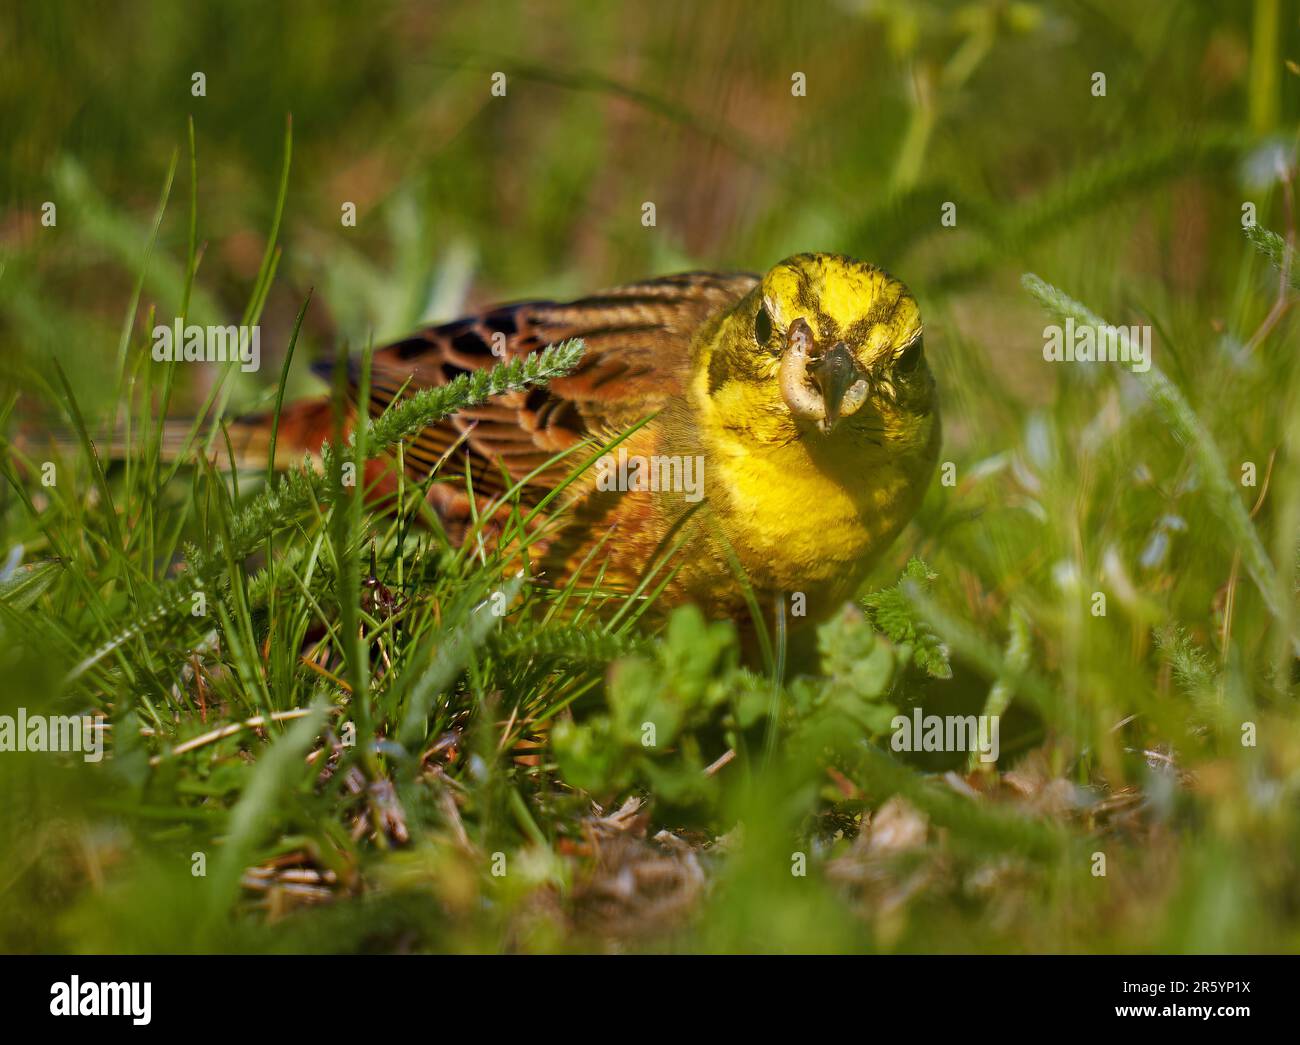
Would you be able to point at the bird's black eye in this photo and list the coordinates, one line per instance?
(910, 357)
(762, 326)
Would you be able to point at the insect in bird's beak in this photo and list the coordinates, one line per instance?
(822, 387)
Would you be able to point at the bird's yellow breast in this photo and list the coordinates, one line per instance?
(800, 518)
(804, 523)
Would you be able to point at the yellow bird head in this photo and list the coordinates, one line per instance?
(826, 349)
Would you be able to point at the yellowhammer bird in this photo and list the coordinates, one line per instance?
(793, 427)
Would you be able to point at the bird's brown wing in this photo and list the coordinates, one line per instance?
(637, 340)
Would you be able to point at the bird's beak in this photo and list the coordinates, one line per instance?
(835, 373)
(841, 385)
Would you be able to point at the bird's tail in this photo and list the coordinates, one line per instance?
(303, 426)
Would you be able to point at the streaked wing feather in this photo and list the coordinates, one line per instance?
(637, 339)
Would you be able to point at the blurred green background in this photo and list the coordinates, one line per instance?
(1068, 480)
